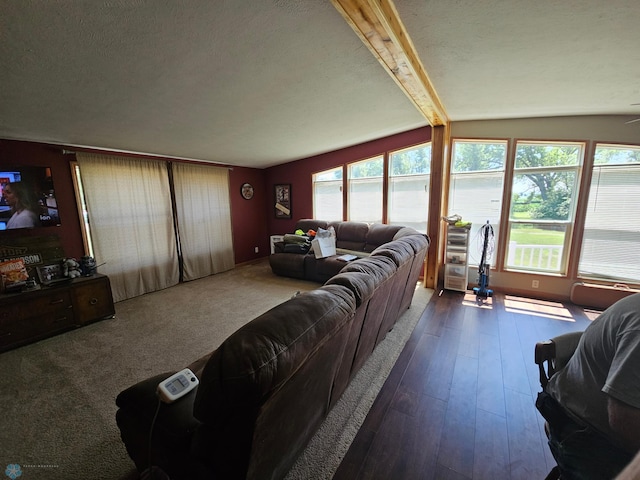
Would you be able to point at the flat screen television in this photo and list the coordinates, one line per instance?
(28, 197)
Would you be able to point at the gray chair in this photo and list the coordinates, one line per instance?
(550, 356)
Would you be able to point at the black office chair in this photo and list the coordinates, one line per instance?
(550, 356)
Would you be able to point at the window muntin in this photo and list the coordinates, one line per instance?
(611, 239)
(476, 186)
(365, 186)
(543, 203)
(408, 191)
(327, 194)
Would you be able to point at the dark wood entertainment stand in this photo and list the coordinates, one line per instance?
(33, 315)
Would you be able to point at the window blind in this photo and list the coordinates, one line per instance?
(611, 243)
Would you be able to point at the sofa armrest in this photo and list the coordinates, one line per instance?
(172, 430)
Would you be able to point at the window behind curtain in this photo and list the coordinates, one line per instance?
(203, 213)
(409, 178)
(327, 194)
(611, 241)
(476, 186)
(130, 216)
(365, 181)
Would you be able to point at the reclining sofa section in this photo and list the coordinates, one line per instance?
(357, 238)
(265, 391)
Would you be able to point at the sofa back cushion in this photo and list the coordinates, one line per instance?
(380, 234)
(306, 224)
(278, 369)
(420, 245)
(351, 235)
(361, 284)
(399, 252)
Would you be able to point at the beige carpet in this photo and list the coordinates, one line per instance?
(57, 396)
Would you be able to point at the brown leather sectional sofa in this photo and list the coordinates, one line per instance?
(357, 238)
(264, 392)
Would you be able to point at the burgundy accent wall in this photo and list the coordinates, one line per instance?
(298, 174)
(249, 217)
(253, 221)
(69, 232)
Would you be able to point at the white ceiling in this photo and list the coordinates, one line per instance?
(261, 82)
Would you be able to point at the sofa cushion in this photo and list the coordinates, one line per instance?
(287, 264)
(379, 268)
(399, 252)
(405, 231)
(417, 242)
(351, 235)
(306, 224)
(321, 269)
(278, 367)
(361, 284)
(380, 234)
(262, 354)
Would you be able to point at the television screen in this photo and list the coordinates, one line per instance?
(28, 198)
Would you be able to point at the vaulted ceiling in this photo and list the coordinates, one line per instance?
(261, 82)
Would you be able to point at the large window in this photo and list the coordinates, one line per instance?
(476, 185)
(543, 203)
(365, 182)
(409, 178)
(611, 241)
(404, 173)
(327, 194)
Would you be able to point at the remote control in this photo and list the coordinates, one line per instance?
(177, 385)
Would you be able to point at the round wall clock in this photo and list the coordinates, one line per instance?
(246, 190)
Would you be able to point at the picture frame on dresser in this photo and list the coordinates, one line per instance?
(50, 273)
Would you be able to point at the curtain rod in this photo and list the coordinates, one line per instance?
(98, 151)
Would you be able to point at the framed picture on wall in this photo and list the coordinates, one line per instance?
(282, 193)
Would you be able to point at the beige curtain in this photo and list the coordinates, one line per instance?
(203, 211)
(130, 218)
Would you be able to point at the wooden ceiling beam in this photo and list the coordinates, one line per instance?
(378, 25)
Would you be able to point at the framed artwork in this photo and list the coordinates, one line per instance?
(282, 193)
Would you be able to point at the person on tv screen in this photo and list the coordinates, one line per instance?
(24, 205)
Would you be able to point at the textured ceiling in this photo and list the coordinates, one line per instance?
(522, 58)
(261, 82)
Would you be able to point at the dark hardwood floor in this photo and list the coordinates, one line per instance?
(459, 403)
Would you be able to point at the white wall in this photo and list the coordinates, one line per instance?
(609, 128)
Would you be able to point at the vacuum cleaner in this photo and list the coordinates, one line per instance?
(482, 291)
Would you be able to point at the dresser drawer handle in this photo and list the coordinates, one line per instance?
(55, 302)
(93, 301)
